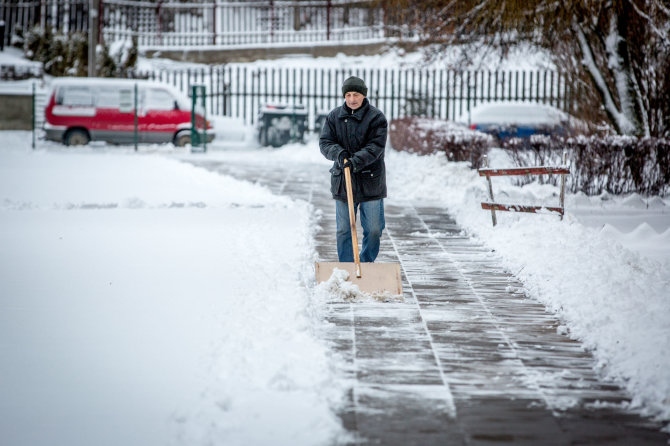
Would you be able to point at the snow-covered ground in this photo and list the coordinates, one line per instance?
(609, 285)
(521, 58)
(144, 301)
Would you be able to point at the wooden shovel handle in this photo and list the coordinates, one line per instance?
(352, 218)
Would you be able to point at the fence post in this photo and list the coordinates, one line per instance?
(2, 35)
(328, 6)
(43, 14)
(225, 98)
(135, 135)
(562, 197)
(92, 35)
(34, 117)
(272, 20)
(159, 21)
(296, 18)
(488, 179)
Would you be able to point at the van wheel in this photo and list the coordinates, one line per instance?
(182, 139)
(77, 137)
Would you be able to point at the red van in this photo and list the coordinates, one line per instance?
(99, 109)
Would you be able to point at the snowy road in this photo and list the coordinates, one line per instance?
(466, 358)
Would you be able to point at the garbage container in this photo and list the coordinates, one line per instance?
(279, 124)
(320, 118)
(2, 35)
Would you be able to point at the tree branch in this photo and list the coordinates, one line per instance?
(620, 121)
(663, 36)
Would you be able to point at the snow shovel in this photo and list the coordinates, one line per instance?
(374, 278)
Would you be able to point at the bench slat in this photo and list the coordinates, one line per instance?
(539, 170)
(522, 208)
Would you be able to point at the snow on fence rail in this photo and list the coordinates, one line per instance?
(444, 94)
(170, 24)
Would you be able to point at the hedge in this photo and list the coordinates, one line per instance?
(614, 164)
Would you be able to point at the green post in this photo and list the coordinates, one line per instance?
(194, 101)
(135, 135)
(34, 117)
(204, 116)
(196, 137)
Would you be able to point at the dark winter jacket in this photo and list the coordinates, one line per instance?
(361, 136)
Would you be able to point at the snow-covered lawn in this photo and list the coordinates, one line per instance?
(145, 301)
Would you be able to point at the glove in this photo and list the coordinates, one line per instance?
(348, 163)
(340, 159)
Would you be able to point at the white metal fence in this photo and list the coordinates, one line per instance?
(161, 24)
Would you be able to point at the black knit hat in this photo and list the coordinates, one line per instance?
(354, 84)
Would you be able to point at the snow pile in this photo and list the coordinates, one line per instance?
(637, 223)
(339, 288)
(142, 302)
(613, 300)
(642, 238)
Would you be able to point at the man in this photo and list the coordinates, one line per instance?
(354, 137)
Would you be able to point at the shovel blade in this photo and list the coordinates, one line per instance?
(375, 277)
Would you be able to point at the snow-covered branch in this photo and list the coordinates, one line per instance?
(652, 26)
(620, 71)
(622, 122)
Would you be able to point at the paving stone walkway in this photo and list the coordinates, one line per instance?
(466, 358)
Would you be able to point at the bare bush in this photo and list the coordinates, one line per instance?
(610, 163)
(613, 164)
(426, 136)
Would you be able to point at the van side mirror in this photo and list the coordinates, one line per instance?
(176, 105)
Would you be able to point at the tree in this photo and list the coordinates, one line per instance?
(615, 51)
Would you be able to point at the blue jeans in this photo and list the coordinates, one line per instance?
(372, 220)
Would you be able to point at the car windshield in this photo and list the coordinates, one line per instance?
(159, 99)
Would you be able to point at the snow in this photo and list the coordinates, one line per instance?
(142, 302)
(514, 112)
(608, 288)
(13, 57)
(522, 58)
(338, 288)
(143, 298)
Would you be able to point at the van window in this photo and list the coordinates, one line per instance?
(75, 95)
(158, 99)
(109, 97)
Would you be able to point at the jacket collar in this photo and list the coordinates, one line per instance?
(346, 112)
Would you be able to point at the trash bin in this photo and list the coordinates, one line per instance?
(279, 124)
(319, 119)
(2, 35)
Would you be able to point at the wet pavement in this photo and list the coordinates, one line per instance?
(466, 358)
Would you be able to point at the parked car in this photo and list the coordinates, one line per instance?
(506, 120)
(80, 110)
(279, 124)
